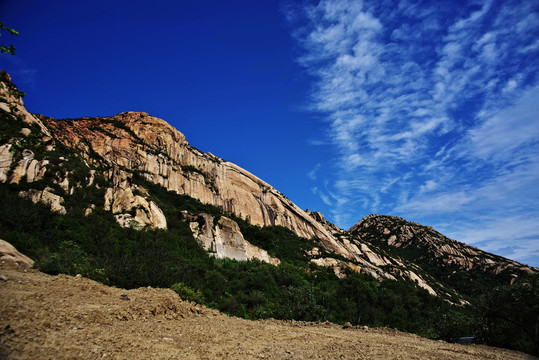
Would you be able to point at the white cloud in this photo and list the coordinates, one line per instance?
(511, 85)
(325, 198)
(531, 48)
(423, 106)
(313, 173)
(507, 130)
(499, 235)
(436, 204)
(471, 21)
(429, 186)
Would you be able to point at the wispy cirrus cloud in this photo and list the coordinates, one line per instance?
(431, 108)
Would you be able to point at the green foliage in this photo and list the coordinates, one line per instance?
(172, 203)
(97, 247)
(187, 293)
(456, 322)
(509, 316)
(7, 49)
(17, 93)
(72, 259)
(278, 241)
(10, 127)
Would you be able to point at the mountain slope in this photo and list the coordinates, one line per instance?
(468, 269)
(126, 200)
(57, 158)
(115, 156)
(148, 145)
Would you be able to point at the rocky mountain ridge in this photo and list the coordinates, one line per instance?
(399, 233)
(116, 148)
(435, 253)
(139, 142)
(55, 157)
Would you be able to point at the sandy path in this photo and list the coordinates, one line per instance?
(63, 317)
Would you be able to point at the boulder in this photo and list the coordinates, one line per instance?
(129, 209)
(9, 254)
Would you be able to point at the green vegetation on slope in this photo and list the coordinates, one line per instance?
(471, 283)
(97, 247)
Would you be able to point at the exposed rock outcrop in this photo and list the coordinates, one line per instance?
(6, 158)
(28, 168)
(16, 163)
(423, 245)
(161, 154)
(339, 267)
(319, 217)
(129, 209)
(223, 239)
(46, 196)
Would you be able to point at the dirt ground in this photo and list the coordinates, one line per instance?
(64, 317)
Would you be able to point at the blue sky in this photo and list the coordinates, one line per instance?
(427, 110)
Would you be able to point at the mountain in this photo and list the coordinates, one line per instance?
(462, 267)
(124, 152)
(126, 200)
(59, 156)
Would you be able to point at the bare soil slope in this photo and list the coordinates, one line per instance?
(64, 317)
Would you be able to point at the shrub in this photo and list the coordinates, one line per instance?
(72, 259)
(187, 293)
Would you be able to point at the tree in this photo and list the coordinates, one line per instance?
(510, 315)
(5, 49)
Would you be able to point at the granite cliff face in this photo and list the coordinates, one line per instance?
(151, 147)
(115, 148)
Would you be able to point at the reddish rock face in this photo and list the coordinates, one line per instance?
(138, 141)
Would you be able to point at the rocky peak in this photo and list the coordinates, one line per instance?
(428, 248)
(9, 92)
(11, 103)
(319, 218)
(138, 142)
